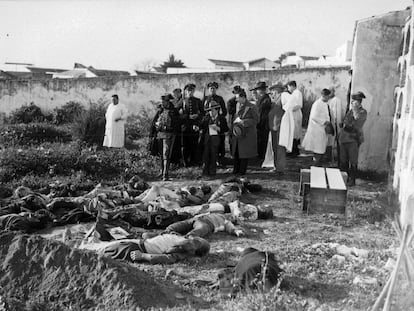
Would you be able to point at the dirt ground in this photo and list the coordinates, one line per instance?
(315, 277)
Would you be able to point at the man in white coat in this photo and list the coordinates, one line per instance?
(337, 115)
(316, 138)
(115, 124)
(297, 104)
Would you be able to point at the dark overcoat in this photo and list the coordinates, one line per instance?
(246, 144)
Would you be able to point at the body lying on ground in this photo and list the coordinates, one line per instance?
(204, 225)
(255, 270)
(161, 249)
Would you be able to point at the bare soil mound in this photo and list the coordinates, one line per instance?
(40, 274)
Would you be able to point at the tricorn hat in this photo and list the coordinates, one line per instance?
(259, 86)
(115, 96)
(326, 92)
(213, 84)
(213, 105)
(358, 96)
(278, 86)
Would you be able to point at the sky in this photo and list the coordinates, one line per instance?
(126, 34)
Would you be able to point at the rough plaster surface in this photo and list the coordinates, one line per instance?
(140, 91)
(403, 146)
(375, 72)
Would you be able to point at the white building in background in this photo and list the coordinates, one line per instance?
(229, 65)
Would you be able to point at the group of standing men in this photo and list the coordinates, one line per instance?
(268, 127)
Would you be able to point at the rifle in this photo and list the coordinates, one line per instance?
(182, 136)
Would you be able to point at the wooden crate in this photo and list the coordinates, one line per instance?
(323, 190)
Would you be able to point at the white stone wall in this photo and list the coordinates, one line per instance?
(403, 127)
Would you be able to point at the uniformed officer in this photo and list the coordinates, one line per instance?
(212, 96)
(191, 112)
(351, 136)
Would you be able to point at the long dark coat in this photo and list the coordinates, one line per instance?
(247, 144)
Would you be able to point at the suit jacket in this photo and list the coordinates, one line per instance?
(264, 104)
(352, 127)
(275, 114)
(220, 121)
(191, 106)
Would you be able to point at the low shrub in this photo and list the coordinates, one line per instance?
(27, 114)
(89, 127)
(138, 125)
(67, 159)
(67, 113)
(33, 133)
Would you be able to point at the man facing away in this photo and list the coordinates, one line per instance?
(275, 117)
(337, 114)
(297, 98)
(115, 124)
(263, 107)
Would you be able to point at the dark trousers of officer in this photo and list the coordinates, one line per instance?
(222, 148)
(348, 155)
(295, 148)
(190, 148)
(279, 152)
(262, 138)
(240, 165)
(210, 153)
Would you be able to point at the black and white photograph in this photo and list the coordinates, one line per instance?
(206, 155)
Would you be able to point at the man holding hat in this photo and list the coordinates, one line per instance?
(167, 127)
(212, 96)
(316, 138)
(191, 114)
(351, 136)
(263, 107)
(213, 127)
(244, 141)
(115, 116)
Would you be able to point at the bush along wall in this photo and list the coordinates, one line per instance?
(66, 159)
(32, 134)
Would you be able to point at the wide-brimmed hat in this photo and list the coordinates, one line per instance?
(358, 96)
(259, 86)
(213, 84)
(278, 86)
(237, 89)
(213, 105)
(238, 130)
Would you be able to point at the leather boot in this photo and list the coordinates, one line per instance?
(165, 170)
(161, 174)
(352, 175)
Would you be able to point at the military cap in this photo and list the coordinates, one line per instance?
(213, 84)
(167, 97)
(236, 89)
(259, 86)
(278, 86)
(358, 96)
(190, 86)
